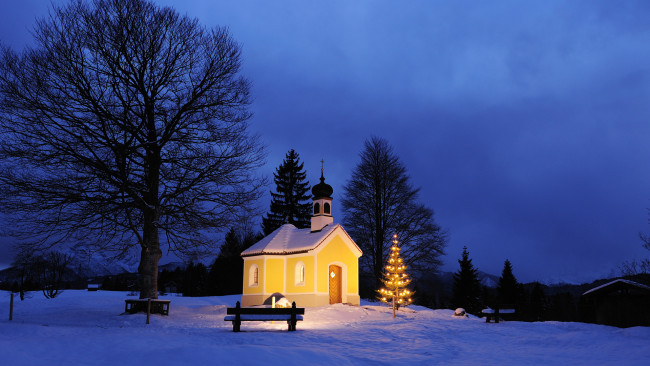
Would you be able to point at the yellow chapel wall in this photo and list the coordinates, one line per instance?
(337, 251)
(292, 284)
(274, 275)
(270, 279)
(255, 289)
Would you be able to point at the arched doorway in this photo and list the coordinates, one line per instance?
(335, 284)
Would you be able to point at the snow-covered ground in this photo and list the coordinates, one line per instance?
(87, 328)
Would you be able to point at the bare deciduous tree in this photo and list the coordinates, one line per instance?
(125, 126)
(51, 268)
(635, 267)
(378, 202)
(24, 273)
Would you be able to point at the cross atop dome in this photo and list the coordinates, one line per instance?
(322, 205)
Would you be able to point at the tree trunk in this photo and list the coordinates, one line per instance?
(151, 252)
(149, 258)
(379, 231)
(379, 252)
(379, 263)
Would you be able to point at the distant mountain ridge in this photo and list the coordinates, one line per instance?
(486, 279)
(95, 266)
(100, 266)
(171, 266)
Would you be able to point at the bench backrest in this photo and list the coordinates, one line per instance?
(259, 311)
(145, 300)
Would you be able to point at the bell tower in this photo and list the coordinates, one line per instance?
(322, 205)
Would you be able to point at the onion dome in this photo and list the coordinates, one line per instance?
(322, 189)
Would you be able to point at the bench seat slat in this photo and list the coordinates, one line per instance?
(137, 305)
(501, 311)
(261, 317)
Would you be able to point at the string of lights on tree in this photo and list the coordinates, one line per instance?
(395, 280)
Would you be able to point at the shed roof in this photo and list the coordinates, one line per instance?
(617, 284)
(287, 239)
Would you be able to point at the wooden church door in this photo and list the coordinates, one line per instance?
(335, 284)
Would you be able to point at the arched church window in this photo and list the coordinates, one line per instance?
(253, 276)
(326, 208)
(316, 208)
(300, 274)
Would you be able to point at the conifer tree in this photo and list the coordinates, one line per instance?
(537, 302)
(467, 287)
(290, 203)
(227, 271)
(395, 280)
(508, 288)
(194, 279)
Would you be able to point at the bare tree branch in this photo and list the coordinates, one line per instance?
(126, 119)
(380, 201)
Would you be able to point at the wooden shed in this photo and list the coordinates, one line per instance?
(620, 303)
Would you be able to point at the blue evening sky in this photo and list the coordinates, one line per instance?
(526, 124)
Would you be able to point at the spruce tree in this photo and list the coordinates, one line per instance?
(290, 203)
(194, 279)
(396, 280)
(467, 288)
(227, 271)
(537, 302)
(508, 288)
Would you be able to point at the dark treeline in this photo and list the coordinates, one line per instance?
(532, 301)
(224, 276)
(51, 273)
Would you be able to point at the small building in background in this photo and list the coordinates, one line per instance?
(171, 287)
(94, 284)
(315, 266)
(620, 303)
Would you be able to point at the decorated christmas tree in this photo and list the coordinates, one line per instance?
(395, 280)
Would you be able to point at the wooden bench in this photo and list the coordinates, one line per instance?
(238, 314)
(157, 306)
(494, 314)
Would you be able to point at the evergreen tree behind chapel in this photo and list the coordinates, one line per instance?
(290, 203)
(227, 271)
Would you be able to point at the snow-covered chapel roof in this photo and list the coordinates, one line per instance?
(287, 239)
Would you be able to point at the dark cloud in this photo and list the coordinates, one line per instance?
(525, 123)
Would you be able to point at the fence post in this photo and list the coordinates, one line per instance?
(11, 307)
(148, 309)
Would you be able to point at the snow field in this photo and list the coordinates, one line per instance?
(87, 328)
